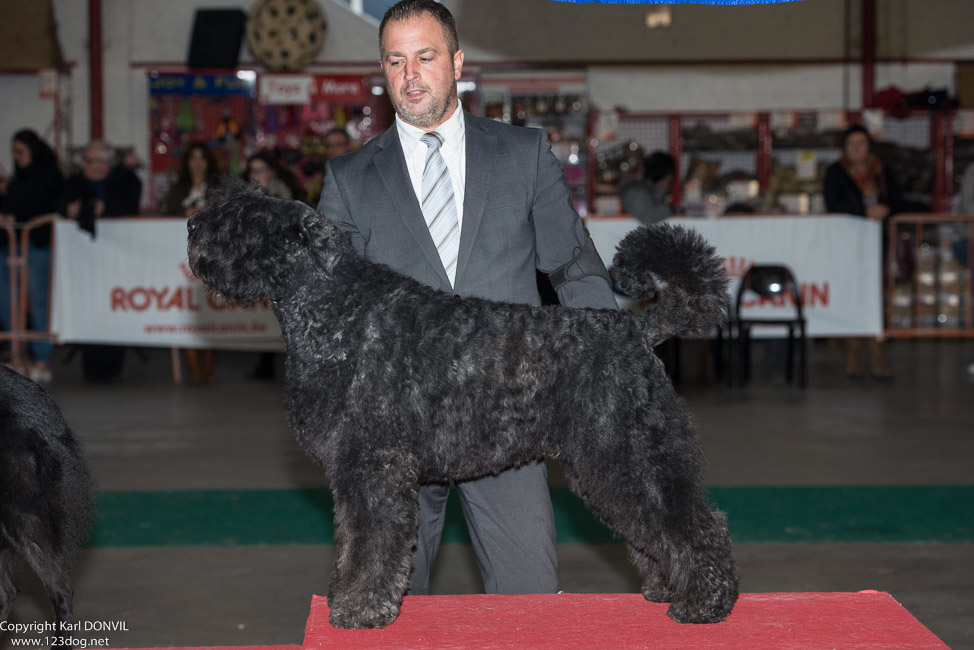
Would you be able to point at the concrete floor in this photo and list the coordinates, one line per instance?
(148, 434)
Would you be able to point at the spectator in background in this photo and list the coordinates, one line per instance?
(103, 188)
(337, 142)
(647, 199)
(967, 190)
(36, 189)
(199, 175)
(859, 184)
(262, 168)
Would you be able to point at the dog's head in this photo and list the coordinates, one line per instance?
(247, 245)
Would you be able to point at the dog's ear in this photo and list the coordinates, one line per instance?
(324, 241)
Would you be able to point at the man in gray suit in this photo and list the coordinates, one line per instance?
(472, 207)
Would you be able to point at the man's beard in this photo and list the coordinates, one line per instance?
(431, 117)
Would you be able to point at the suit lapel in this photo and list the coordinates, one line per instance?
(479, 145)
(391, 165)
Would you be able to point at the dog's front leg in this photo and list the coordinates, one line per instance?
(376, 519)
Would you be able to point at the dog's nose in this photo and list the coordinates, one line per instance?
(191, 225)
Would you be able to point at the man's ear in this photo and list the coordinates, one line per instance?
(457, 64)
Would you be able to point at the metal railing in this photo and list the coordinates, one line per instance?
(18, 242)
(928, 289)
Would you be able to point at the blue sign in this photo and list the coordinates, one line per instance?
(200, 84)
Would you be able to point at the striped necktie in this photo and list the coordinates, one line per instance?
(439, 206)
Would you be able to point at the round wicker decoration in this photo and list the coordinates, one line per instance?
(286, 34)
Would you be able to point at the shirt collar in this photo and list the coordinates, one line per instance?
(451, 130)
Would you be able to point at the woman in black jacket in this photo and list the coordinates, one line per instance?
(36, 189)
(859, 184)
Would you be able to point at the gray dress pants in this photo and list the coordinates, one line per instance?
(511, 526)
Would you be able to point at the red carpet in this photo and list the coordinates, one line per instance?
(231, 647)
(863, 620)
(867, 619)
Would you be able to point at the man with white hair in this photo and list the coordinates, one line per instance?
(103, 188)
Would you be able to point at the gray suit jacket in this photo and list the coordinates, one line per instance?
(516, 215)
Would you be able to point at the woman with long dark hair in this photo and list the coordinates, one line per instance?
(199, 176)
(860, 184)
(35, 189)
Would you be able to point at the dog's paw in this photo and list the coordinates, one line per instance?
(657, 594)
(689, 612)
(355, 613)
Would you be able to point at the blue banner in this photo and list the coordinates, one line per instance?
(199, 84)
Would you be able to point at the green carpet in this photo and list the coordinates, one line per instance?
(912, 514)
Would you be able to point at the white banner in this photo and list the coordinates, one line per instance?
(132, 285)
(836, 259)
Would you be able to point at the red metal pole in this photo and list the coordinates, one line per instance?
(948, 159)
(95, 72)
(937, 147)
(676, 150)
(868, 52)
(764, 150)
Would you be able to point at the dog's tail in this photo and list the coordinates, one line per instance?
(678, 274)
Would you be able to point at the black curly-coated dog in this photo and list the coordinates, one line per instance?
(392, 384)
(45, 492)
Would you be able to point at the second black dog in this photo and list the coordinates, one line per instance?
(45, 492)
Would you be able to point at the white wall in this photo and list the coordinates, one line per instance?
(141, 33)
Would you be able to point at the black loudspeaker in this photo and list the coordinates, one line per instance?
(217, 35)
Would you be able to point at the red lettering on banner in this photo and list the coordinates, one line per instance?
(118, 299)
(339, 88)
(812, 295)
(160, 299)
(187, 272)
(736, 266)
(139, 299)
(816, 294)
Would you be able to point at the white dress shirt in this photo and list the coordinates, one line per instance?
(453, 151)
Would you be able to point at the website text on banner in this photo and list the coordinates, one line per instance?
(132, 285)
(836, 258)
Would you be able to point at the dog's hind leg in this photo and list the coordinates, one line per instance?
(8, 590)
(34, 540)
(376, 521)
(654, 500)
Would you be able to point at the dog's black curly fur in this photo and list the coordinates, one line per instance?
(391, 384)
(45, 492)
